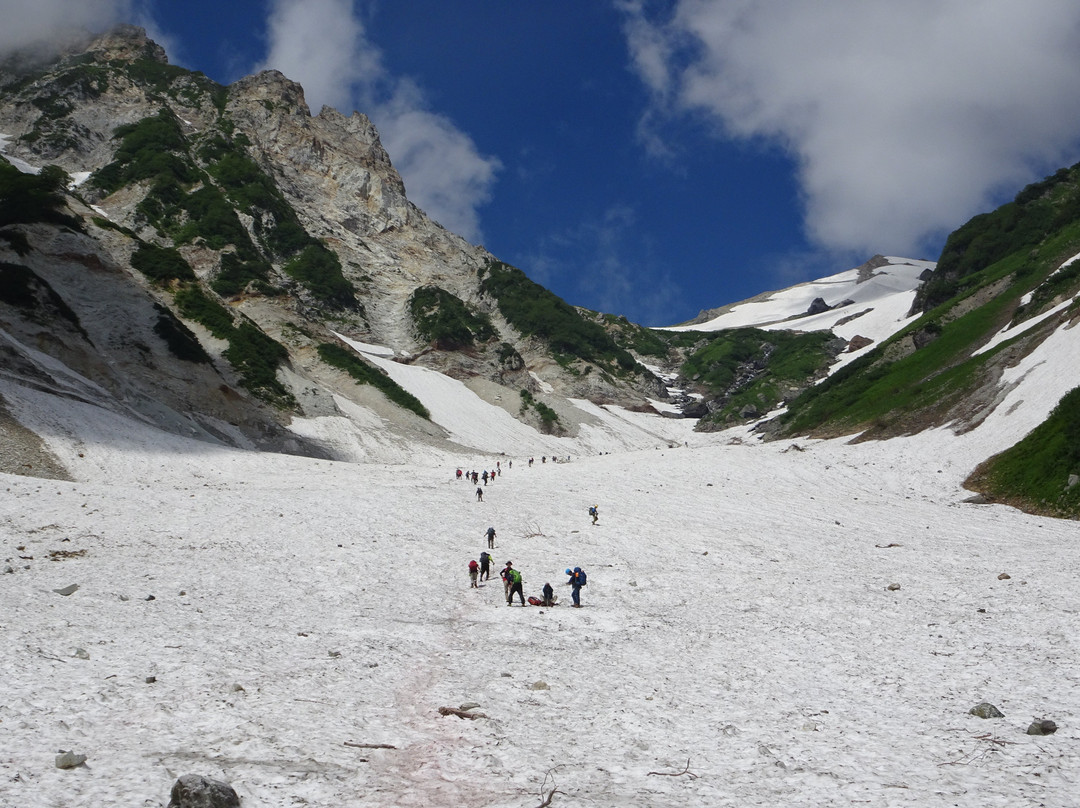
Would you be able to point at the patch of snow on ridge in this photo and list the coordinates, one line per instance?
(881, 301)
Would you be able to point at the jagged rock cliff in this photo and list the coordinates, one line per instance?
(232, 222)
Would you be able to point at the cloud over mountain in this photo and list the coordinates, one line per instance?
(905, 119)
(46, 22)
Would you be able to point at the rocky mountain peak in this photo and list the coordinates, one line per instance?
(126, 43)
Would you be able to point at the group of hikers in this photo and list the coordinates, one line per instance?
(511, 576)
(513, 582)
(475, 477)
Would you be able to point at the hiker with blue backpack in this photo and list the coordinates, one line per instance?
(594, 512)
(578, 579)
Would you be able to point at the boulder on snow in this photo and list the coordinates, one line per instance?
(70, 589)
(69, 760)
(197, 791)
(986, 710)
(817, 306)
(1044, 727)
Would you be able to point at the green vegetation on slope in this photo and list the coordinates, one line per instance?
(901, 394)
(1038, 211)
(161, 264)
(346, 360)
(536, 312)
(254, 355)
(1035, 473)
(29, 198)
(749, 368)
(445, 320)
(196, 206)
(549, 419)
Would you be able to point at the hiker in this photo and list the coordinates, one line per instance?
(594, 512)
(577, 580)
(515, 586)
(549, 595)
(484, 476)
(491, 538)
(505, 575)
(473, 569)
(485, 566)
(479, 494)
(459, 474)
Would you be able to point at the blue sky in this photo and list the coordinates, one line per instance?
(654, 158)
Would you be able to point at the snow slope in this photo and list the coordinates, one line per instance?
(738, 644)
(878, 307)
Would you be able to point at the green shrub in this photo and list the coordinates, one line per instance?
(548, 417)
(346, 360)
(28, 198)
(256, 357)
(445, 320)
(153, 148)
(319, 269)
(236, 274)
(196, 305)
(162, 264)
(212, 219)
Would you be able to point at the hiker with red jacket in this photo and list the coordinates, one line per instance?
(474, 569)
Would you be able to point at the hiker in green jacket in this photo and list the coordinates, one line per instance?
(515, 586)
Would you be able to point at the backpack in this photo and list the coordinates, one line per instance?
(582, 578)
(515, 577)
(472, 566)
(484, 558)
(592, 510)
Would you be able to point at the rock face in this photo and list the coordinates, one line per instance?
(242, 180)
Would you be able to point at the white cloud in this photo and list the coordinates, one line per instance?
(905, 118)
(323, 45)
(45, 23)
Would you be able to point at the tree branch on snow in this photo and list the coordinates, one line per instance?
(685, 771)
(460, 713)
(532, 532)
(370, 745)
(990, 744)
(546, 792)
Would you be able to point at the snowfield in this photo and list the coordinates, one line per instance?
(261, 618)
(801, 623)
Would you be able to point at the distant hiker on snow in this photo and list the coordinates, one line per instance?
(473, 569)
(491, 538)
(594, 512)
(484, 476)
(485, 566)
(479, 494)
(515, 586)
